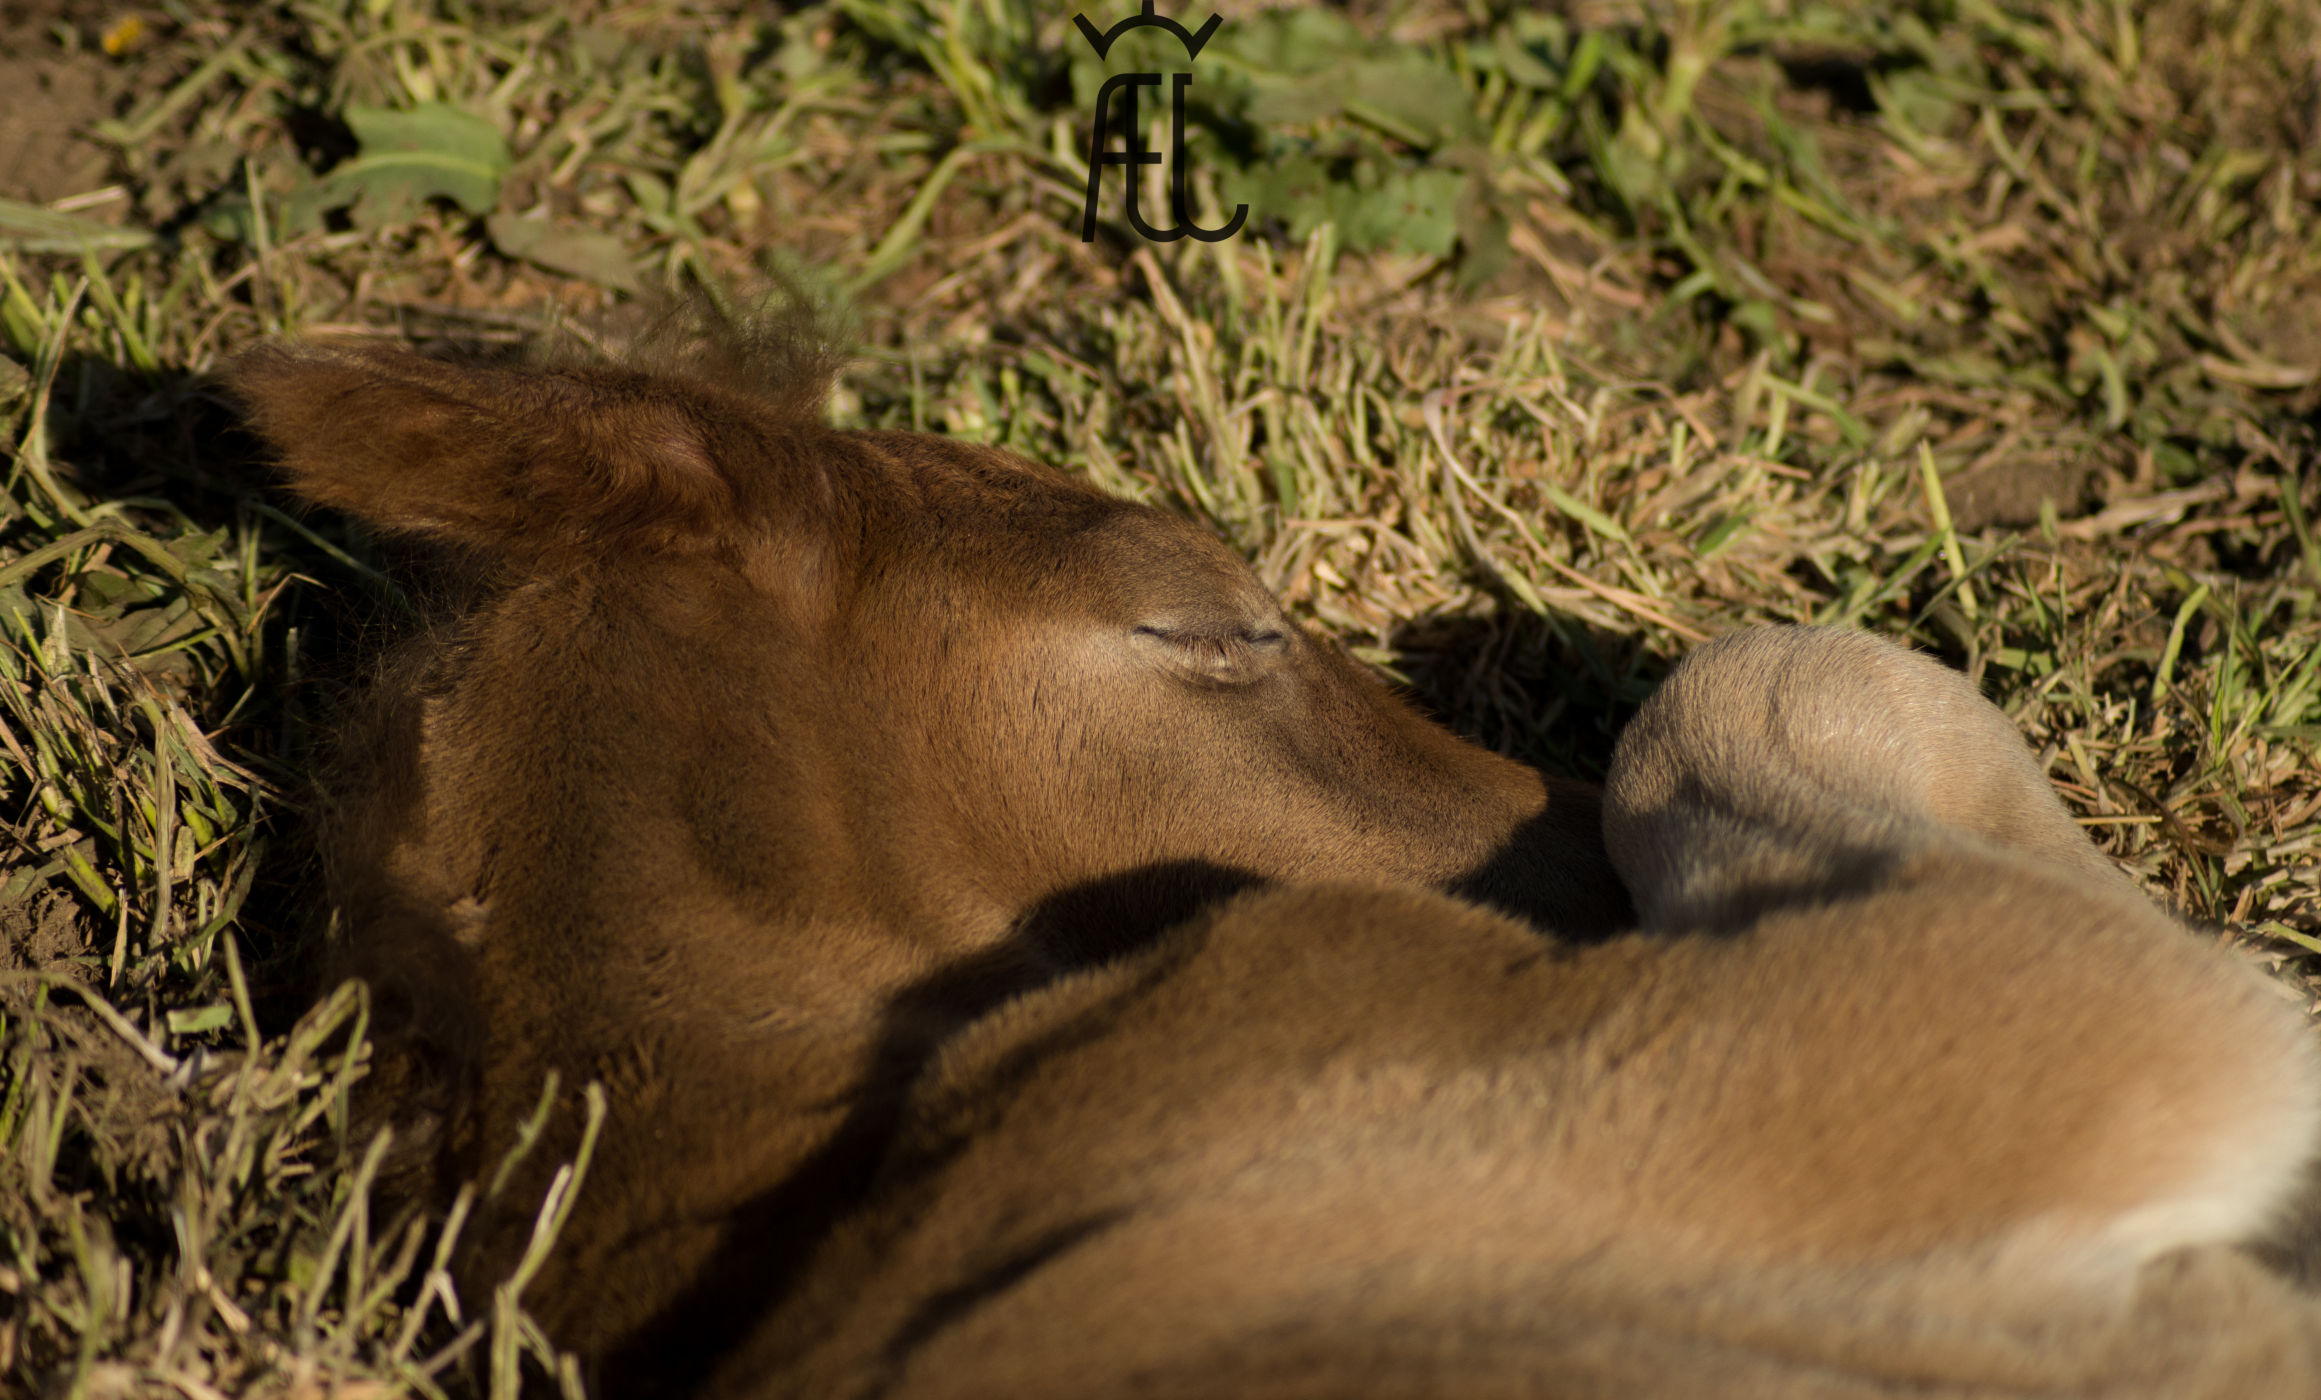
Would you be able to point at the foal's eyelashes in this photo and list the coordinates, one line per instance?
(1264, 639)
(1234, 657)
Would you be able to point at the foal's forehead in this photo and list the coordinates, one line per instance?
(979, 512)
(970, 487)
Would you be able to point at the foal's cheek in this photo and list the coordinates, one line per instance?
(1010, 722)
(1095, 753)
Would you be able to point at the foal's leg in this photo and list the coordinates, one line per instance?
(1785, 764)
(1946, 1006)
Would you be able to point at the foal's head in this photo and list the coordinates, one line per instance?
(963, 687)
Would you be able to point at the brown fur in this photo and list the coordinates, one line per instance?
(1939, 1114)
(830, 797)
(777, 753)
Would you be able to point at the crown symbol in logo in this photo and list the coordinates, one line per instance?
(1193, 41)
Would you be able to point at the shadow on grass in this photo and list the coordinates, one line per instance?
(162, 458)
(1550, 692)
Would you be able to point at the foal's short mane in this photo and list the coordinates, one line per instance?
(784, 352)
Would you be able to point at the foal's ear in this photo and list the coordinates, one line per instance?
(501, 458)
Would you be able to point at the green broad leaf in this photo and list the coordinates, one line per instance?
(101, 591)
(1294, 40)
(431, 151)
(194, 548)
(1417, 210)
(148, 629)
(32, 229)
(575, 252)
(1296, 190)
(1411, 91)
(1406, 95)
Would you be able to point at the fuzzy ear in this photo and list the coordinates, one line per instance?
(513, 459)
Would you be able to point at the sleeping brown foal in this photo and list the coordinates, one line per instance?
(767, 755)
(1018, 960)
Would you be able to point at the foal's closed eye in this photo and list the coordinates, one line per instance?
(1225, 658)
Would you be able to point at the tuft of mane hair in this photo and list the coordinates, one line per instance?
(785, 350)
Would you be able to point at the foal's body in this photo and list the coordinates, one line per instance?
(858, 809)
(1933, 1117)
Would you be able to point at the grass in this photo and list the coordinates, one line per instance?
(1985, 325)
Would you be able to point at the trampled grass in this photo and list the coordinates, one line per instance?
(1987, 325)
